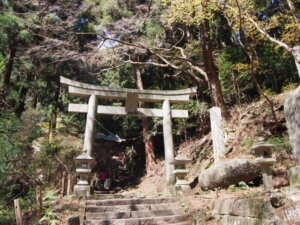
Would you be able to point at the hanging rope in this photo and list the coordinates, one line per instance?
(134, 138)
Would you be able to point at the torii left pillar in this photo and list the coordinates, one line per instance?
(89, 135)
(85, 160)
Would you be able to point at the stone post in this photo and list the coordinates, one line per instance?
(89, 135)
(217, 134)
(292, 116)
(85, 161)
(168, 142)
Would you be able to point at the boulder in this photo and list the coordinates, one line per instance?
(74, 220)
(229, 172)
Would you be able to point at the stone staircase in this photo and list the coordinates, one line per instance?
(135, 211)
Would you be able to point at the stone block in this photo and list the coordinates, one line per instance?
(246, 207)
(74, 220)
(81, 191)
(294, 176)
(238, 220)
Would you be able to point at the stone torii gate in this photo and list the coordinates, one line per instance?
(132, 97)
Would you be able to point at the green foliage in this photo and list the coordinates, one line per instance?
(16, 136)
(50, 216)
(282, 143)
(248, 143)
(234, 74)
(290, 87)
(154, 32)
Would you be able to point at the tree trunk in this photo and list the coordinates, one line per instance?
(236, 89)
(149, 148)
(20, 106)
(9, 65)
(52, 124)
(212, 71)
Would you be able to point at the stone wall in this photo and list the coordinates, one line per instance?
(250, 211)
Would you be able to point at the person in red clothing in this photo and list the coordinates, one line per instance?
(102, 178)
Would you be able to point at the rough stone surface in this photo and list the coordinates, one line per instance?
(135, 211)
(246, 211)
(278, 199)
(74, 220)
(217, 134)
(245, 207)
(238, 220)
(292, 116)
(294, 176)
(229, 172)
(296, 54)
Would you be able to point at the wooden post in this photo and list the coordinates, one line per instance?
(63, 183)
(38, 197)
(70, 184)
(18, 212)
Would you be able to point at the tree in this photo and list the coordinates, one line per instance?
(276, 21)
(198, 13)
(149, 147)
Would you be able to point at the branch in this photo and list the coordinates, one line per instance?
(264, 32)
(261, 30)
(61, 163)
(148, 14)
(194, 65)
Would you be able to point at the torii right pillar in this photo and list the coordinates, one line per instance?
(169, 149)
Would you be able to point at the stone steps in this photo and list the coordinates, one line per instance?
(141, 221)
(131, 201)
(122, 208)
(135, 211)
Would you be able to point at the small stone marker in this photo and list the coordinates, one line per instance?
(74, 220)
(290, 214)
(217, 133)
(263, 153)
(182, 185)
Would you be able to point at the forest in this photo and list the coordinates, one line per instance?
(236, 52)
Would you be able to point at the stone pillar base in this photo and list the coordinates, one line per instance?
(294, 176)
(169, 191)
(183, 190)
(82, 191)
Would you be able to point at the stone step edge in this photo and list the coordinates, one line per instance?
(159, 219)
(109, 202)
(113, 208)
(135, 214)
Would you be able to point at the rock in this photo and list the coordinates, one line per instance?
(278, 199)
(294, 176)
(74, 220)
(229, 172)
(117, 189)
(200, 216)
(240, 211)
(245, 211)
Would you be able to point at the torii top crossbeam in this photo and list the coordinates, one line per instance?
(85, 90)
